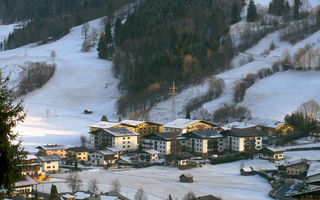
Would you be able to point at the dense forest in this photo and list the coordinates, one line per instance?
(163, 41)
(51, 19)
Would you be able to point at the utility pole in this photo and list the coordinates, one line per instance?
(173, 93)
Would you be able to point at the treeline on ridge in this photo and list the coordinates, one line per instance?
(50, 20)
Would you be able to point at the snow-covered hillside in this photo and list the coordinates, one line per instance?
(256, 99)
(81, 81)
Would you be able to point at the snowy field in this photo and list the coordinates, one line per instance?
(296, 155)
(78, 83)
(222, 180)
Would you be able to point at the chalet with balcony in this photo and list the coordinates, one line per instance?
(161, 142)
(243, 140)
(55, 149)
(183, 126)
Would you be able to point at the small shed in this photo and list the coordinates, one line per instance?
(247, 171)
(186, 178)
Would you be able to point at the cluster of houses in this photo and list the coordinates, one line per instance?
(129, 142)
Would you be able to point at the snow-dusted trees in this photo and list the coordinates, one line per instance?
(140, 195)
(251, 12)
(189, 196)
(93, 186)
(90, 40)
(85, 30)
(74, 182)
(116, 185)
(83, 140)
(53, 55)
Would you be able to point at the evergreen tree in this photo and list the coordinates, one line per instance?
(170, 197)
(104, 118)
(140, 147)
(10, 154)
(54, 193)
(235, 13)
(296, 8)
(117, 32)
(107, 32)
(188, 114)
(102, 47)
(252, 12)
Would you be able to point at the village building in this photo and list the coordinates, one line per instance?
(54, 149)
(312, 178)
(186, 178)
(314, 135)
(183, 126)
(100, 126)
(50, 164)
(24, 187)
(142, 127)
(32, 167)
(80, 153)
(115, 137)
(103, 158)
(243, 140)
(160, 141)
(204, 142)
(207, 197)
(294, 169)
(272, 153)
(150, 156)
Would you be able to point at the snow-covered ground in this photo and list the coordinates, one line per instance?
(222, 180)
(55, 111)
(5, 30)
(296, 155)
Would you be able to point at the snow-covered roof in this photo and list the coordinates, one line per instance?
(104, 124)
(31, 156)
(274, 125)
(247, 169)
(208, 134)
(131, 122)
(276, 149)
(238, 125)
(104, 197)
(120, 132)
(314, 168)
(81, 195)
(151, 151)
(294, 162)
(181, 123)
(68, 196)
(107, 152)
(26, 181)
(116, 149)
(49, 158)
(52, 147)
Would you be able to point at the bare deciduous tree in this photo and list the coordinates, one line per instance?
(85, 30)
(93, 186)
(140, 195)
(53, 55)
(189, 196)
(74, 182)
(116, 185)
(310, 109)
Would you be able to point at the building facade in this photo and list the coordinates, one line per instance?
(183, 126)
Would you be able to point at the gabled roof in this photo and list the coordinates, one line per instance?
(244, 133)
(49, 158)
(151, 151)
(79, 149)
(131, 122)
(182, 123)
(25, 181)
(164, 136)
(205, 134)
(120, 132)
(186, 175)
(314, 169)
(107, 152)
(276, 149)
(104, 124)
(52, 147)
(295, 162)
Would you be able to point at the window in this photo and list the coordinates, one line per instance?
(128, 138)
(128, 146)
(123, 138)
(128, 142)
(48, 167)
(123, 142)
(53, 166)
(123, 146)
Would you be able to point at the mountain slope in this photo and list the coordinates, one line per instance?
(55, 111)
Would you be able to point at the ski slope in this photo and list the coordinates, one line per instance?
(81, 81)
